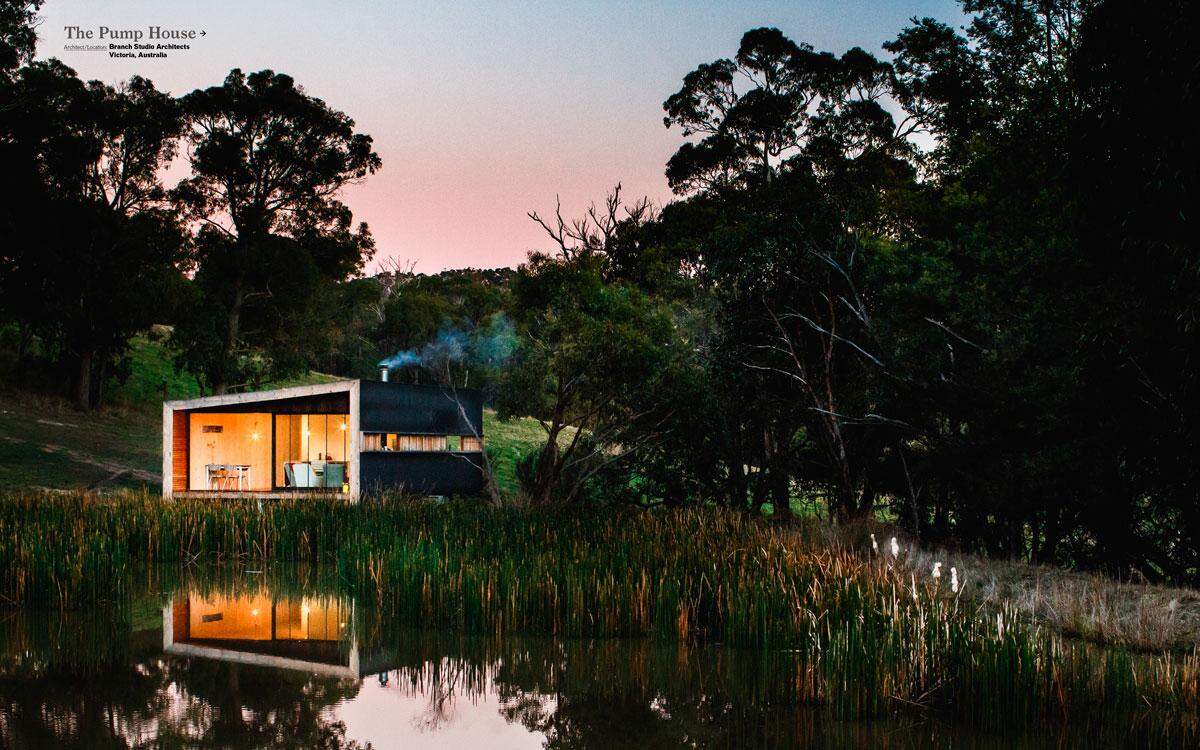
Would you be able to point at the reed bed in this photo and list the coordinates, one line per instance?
(871, 635)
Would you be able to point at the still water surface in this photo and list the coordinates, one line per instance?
(247, 666)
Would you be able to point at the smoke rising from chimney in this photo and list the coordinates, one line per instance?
(488, 345)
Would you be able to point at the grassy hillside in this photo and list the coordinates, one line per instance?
(507, 442)
(47, 443)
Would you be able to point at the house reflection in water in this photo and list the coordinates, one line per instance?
(305, 633)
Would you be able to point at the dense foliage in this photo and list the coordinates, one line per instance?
(267, 163)
(954, 284)
(251, 247)
(991, 337)
(91, 249)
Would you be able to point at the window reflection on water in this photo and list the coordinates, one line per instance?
(243, 666)
(295, 632)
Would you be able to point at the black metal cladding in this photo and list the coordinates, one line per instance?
(422, 472)
(419, 409)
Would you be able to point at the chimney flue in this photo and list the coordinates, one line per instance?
(383, 373)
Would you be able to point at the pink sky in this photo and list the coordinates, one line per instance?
(483, 111)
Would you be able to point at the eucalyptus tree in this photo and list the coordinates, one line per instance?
(1063, 245)
(269, 163)
(94, 248)
(799, 156)
(18, 35)
(776, 100)
(591, 357)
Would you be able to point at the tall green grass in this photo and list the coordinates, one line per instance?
(870, 639)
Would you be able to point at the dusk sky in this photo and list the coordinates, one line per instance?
(483, 111)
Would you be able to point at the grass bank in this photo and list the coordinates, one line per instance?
(874, 634)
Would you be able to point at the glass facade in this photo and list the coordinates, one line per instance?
(311, 450)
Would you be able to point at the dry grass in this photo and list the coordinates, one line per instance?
(1093, 607)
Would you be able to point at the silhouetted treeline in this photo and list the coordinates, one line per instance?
(957, 287)
(252, 258)
(248, 256)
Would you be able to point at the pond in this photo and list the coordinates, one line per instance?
(230, 660)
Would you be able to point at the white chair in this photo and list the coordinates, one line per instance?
(304, 475)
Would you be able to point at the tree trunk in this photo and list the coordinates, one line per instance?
(737, 484)
(865, 491)
(83, 381)
(781, 498)
(24, 341)
(758, 491)
(99, 377)
(233, 323)
(229, 713)
(914, 502)
(545, 477)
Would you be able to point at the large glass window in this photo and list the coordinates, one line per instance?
(229, 452)
(311, 450)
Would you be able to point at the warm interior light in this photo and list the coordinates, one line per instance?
(254, 613)
(254, 436)
(307, 433)
(343, 426)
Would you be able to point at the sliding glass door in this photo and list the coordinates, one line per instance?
(311, 450)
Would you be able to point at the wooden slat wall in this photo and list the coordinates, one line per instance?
(421, 442)
(179, 451)
(375, 441)
(471, 443)
(180, 617)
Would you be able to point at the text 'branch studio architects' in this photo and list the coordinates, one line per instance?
(350, 438)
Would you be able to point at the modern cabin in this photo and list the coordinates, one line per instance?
(349, 437)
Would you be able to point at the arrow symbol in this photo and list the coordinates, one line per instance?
(203, 32)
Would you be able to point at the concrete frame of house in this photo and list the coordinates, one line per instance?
(416, 439)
